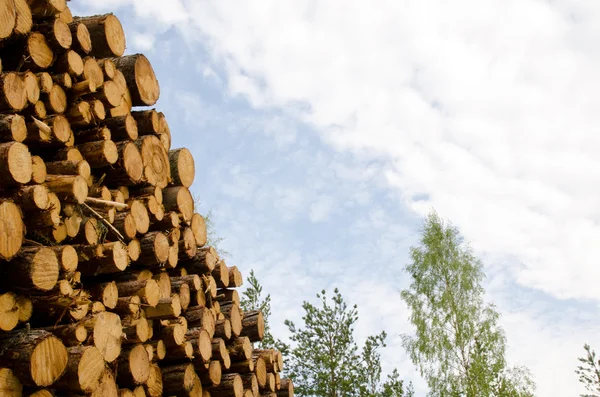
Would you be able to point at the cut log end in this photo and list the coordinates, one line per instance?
(12, 230)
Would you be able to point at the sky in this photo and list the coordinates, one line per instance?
(324, 131)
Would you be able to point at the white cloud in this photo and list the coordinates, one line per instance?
(320, 209)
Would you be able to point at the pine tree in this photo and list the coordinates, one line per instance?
(252, 300)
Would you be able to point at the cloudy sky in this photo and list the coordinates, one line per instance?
(323, 131)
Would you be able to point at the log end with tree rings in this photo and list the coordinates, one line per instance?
(14, 94)
(115, 36)
(131, 160)
(48, 361)
(182, 167)
(24, 21)
(140, 77)
(62, 34)
(8, 18)
(10, 386)
(107, 335)
(15, 163)
(40, 52)
(82, 37)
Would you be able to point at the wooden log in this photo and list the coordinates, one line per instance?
(125, 224)
(106, 33)
(233, 313)
(147, 120)
(85, 367)
(69, 167)
(228, 295)
(160, 350)
(204, 261)
(79, 113)
(182, 167)
(240, 348)
(84, 88)
(69, 153)
(134, 249)
(235, 277)
(64, 80)
(219, 350)
(98, 110)
(223, 329)
(123, 127)
(69, 334)
(154, 385)
(82, 42)
(108, 68)
(56, 100)
(31, 53)
(57, 34)
(35, 268)
(178, 380)
(210, 377)
(112, 258)
(8, 16)
(130, 167)
(45, 9)
(164, 282)
(93, 73)
(156, 161)
(108, 93)
(108, 386)
(69, 62)
(193, 282)
(141, 80)
(11, 128)
(24, 18)
(25, 308)
(45, 82)
(94, 133)
(128, 305)
(67, 258)
(250, 383)
(13, 95)
(230, 386)
(37, 357)
(133, 367)
(15, 161)
(253, 326)
(107, 293)
(32, 87)
(106, 334)
(154, 249)
(185, 351)
(147, 290)
(68, 188)
(270, 385)
(9, 311)
(136, 330)
(197, 316)
(184, 296)
(179, 198)
(221, 274)
(286, 388)
(201, 343)
(173, 335)
(198, 226)
(165, 309)
(164, 134)
(100, 153)
(38, 170)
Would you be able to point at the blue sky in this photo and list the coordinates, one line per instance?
(321, 137)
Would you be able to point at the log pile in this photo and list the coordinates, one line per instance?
(107, 286)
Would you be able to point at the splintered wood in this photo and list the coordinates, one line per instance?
(107, 286)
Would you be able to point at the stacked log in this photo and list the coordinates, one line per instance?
(107, 286)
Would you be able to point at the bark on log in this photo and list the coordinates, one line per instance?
(125, 224)
(129, 168)
(154, 249)
(233, 313)
(223, 329)
(69, 334)
(31, 53)
(250, 383)
(100, 153)
(82, 42)
(147, 290)
(179, 199)
(147, 121)
(165, 309)
(235, 277)
(154, 385)
(113, 259)
(70, 62)
(141, 80)
(240, 348)
(221, 274)
(210, 377)
(286, 388)
(45, 9)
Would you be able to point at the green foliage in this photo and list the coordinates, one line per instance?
(325, 360)
(458, 346)
(252, 300)
(589, 372)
